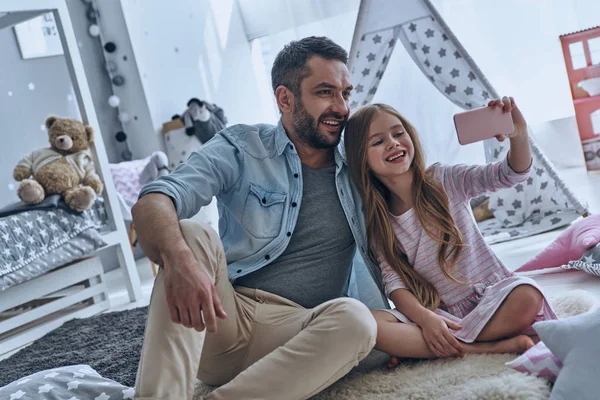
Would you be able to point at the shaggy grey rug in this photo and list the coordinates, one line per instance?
(111, 343)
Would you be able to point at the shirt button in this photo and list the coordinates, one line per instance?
(294, 204)
(291, 147)
(342, 192)
(264, 200)
(239, 271)
(295, 175)
(267, 257)
(289, 234)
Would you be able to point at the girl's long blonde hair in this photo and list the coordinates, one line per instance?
(430, 203)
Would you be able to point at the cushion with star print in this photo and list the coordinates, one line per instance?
(574, 341)
(75, 382)
(569, 246)
(589, 262)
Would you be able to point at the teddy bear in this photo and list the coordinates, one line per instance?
(65, 168)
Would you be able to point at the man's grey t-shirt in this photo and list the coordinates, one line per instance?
(316, 265)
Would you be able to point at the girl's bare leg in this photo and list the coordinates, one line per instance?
(515, 315)
(406, 340)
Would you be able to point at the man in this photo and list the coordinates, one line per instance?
(271, 291)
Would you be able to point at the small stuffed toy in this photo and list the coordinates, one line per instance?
(203, 119)
(65, 168)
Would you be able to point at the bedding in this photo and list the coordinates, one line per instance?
(30, 240)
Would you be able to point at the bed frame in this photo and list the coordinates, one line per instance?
(33, 308)
(89, 271)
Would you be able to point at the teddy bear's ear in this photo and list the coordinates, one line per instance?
(50, 121)
(90, 133)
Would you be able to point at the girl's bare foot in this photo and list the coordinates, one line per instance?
(518, 344)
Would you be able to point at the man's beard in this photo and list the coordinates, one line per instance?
(307, 129)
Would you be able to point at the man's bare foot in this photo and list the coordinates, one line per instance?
(393, 362)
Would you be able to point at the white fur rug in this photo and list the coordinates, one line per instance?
(481, 377)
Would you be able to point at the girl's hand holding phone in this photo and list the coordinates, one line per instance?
(508, 105)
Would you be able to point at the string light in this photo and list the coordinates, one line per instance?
(116, 79)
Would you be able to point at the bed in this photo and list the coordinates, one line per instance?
(47, 271)
(38, 239)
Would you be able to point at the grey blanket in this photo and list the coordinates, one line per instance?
(52, 201)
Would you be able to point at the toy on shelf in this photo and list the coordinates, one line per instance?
(581, 51)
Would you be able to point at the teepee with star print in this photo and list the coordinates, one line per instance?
(543, 202)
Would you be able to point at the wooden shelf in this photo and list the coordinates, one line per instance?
(583, 100)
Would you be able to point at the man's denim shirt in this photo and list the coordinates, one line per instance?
(256, 175)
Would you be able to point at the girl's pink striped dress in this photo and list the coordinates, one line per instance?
(489, 281)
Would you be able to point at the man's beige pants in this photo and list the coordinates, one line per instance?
(267, 348)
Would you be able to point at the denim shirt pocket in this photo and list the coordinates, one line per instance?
(263, 212)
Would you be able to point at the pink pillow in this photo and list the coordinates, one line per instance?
(569, 246)
(538, 361)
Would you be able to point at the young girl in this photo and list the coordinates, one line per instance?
(452, 294)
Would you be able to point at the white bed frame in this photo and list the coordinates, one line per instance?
(18, 331)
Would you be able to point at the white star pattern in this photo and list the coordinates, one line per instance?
(19, 246)
(73, 385)
(3, 224)
(103, 396)
(51, 375)
(29, 224)
(45, 389)
(22, 381)
(5, 237)
(128, 393)
(17, 395)
(589, 259)
(39, 219)
(44, 233)
(18, 230)
(88, 371)
(6, 252)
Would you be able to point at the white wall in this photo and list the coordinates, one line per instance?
(30, 90)
(193, 48)
(516, 44)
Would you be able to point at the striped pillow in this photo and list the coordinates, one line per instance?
(538, 361)
(589, 262)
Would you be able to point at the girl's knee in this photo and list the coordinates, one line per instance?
(529, 301)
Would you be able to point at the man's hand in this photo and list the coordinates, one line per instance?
(192, 298)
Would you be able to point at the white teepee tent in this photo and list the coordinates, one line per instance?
(543, 202)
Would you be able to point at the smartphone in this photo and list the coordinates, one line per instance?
(482, 123)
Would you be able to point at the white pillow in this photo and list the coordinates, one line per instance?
(179, 146)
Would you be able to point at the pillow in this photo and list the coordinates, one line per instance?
(538, 361)
(73, 382)
(570, 245)
(179, 146)
(589, 262)
(574, 341)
